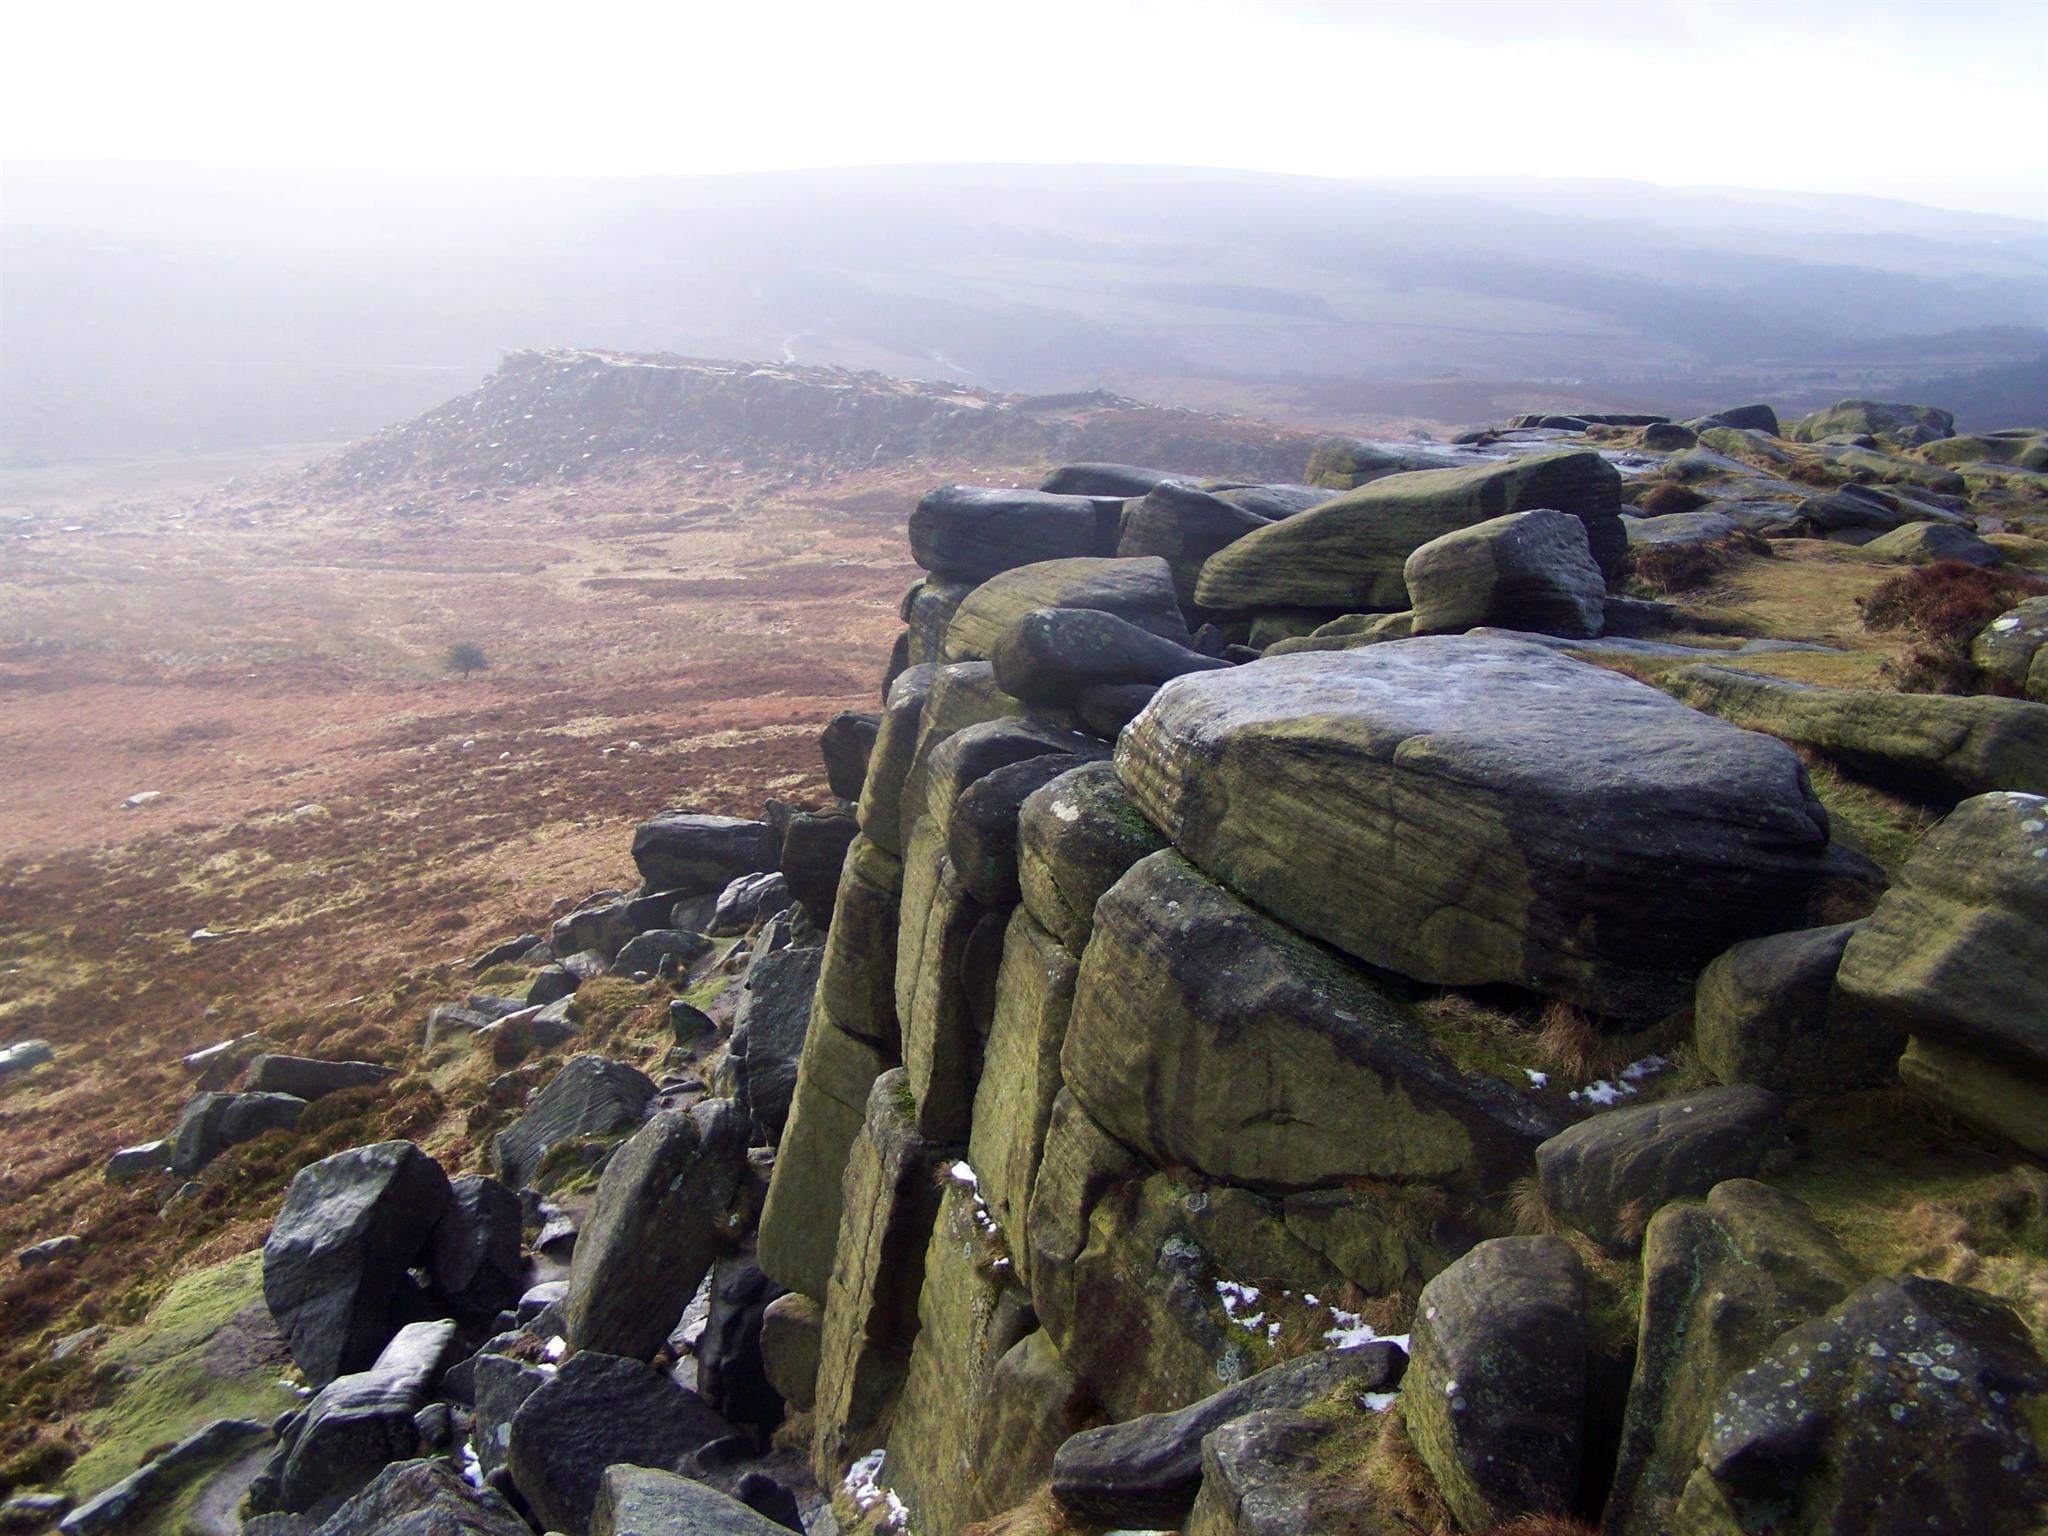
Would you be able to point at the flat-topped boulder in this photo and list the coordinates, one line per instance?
(590, 1096)
(1184, 526)
(2014, 648)
(1465, 810)
(1902, 423)
(1103, 480)
(1928, 743)
(1053, 655)
(1348, 554)
(971, 532)
(1139, 591)
(307, 1078)
(1925, 543)
(688, 853)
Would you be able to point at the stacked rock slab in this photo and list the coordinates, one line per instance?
(1954, 956)
(1467, 811)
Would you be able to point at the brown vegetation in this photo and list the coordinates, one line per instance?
(1942, 607)
(1664, 569)
(1667, 497)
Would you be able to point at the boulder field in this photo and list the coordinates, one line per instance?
(1271, 1037)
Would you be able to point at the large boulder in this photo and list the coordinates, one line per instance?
(1496, 1389)
(1205, 1034)
(2014, 649)
(768, 1031)
(845, 743)
(655, 1228)
(1466, 810)
(689, 853)
(306, 1078)
(1721, 1280)
(1609, 1175)
(731, 1370)
(1526, 570)
(1907, 425)
(1138, 591)
(422, 1498)
(213, 1122)
(1103, 480)
(1145, 1472)
(896, 740)
(1910, 1406)
(971, 533)
(801, 1217)
(1954, 956)
(473, 1258)
(1184, 526)
(590, 1096)
(596, 1412)
(1926, 543)
(350, 1227)
(354, 1426)
(1928, 743)
(981, 831)
(647, 1501)
(813, 855)
(1767, 1013)
(1348, 554)
(1050, 655)
(1345, 463)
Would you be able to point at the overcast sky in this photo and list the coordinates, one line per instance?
(1942, 103)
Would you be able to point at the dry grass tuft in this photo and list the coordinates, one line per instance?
(1528, 1210)
(1662, 500)
(1943, 606)
(1664, 569)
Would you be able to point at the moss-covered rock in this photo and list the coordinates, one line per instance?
(1901, 423)
(800, 1221)
(1721, 1280)
(2014, 648)
(1209, 1036)
(1139, 591)
(1936, 744)
(1183, 526)
(1465, 810)
(1075, 839)
(1767, 1013)
(1526, 570)
(1348, 553)
(896, 738)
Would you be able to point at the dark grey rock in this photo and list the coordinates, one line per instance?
(1184, 526)
(654, 1229)
(1608, 1176)
(649, 953)
(1124, 480)
(813, 856)
(768, 1032)
(473, 1256)
(600, 1411)
(421, 1498)
(845, 743)
(139, 1161)
(731, 1373)
(1767, 1013)
(351, 1226)
(23, 1056)
(604, 926)
(306, 1078)
(696, 854)
(747, 900)
(213, 1122)
(647, 1501)
(590, 1096)
(971, 533)
(502, 1384)
(53, 1250)
(1145, 1472)
(1108, 707)
(1049, 655)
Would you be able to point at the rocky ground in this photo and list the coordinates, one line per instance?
(1490, 1069)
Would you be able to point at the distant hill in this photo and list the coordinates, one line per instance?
(154, 309)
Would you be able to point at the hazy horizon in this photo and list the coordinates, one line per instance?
(1934, 104)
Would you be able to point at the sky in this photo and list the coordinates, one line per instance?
(1938, 103)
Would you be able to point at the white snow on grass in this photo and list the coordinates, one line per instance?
(1605, 1091)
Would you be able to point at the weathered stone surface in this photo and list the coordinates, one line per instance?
(1905, 1408)
(1528, 570)
(1721, 1280)
(981, 834)
(1053, 655)
(659, 949)
(768, 1031)
(801, 1219)
(23, 1056)
(139, 1161)
(1954, 956)
(1279, 500)
(881, 812)
(1140, 592)
(213, 1122)
(792, 1327)
(602, 928)
(1385, 1239)
(1033, 1405)
(1679, 528)
(1103, 480)
(647, 1501)
(1905, 424)
(813, 857)
(970, 1312)
(1496, 1387)
(654, 1230)
(889, 1203)
(941, 1046)
(857, 977)
(1075, 839)
(473, 1255)
(963, 697)
(1206, 1034)
(600, 1411)
(1940, 744)
(845, 743)
(305, 1078)
(422, 1498)
(2014, 648)
(1348, 554)
(745, 902)
(1080, 1165)
(1106, 708)
(1465, 810)
(1925, 543)
(1766, 1013)
(690, 854)
(1609, 1175)
(1146, 1471)
(590, 1096)
(1184, 526)
(972, 533)
(354, 1426)
(1020, 1074)
(928, 609)
(731, 1374)
(1284, 1471)
(150, 1487)
(1344, 463)
(502, 1384)
(350, 1227)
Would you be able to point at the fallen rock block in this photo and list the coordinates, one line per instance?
(845, 743)
(473, 1257)
(685, 853)
(590, 1096)
(420, 1498)
(307, 1078)
(971, 533)
(213, 1122)
(1052, 655)
(1528, 570)
(157, 1481)
(1767, 1013)
(646, 1501)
